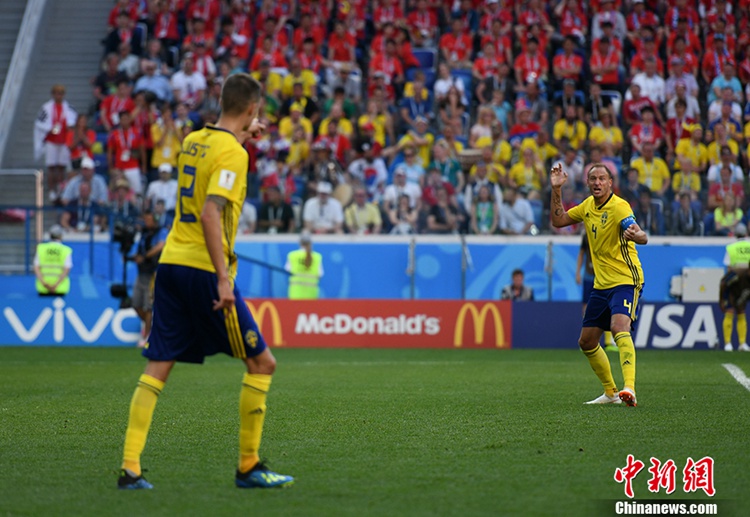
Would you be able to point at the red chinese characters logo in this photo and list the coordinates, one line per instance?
(628, 473)
(697, 475)
(662, 476)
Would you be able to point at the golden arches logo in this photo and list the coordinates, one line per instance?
(259, 315)
(479, 317)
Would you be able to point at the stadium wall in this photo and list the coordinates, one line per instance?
(370, 324)
(367, 267)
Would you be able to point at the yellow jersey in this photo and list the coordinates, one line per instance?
(654, 175)
(575, 133)
(714, 151)
(600, 135)
(615, 259)
(286, 127)
(698, 154)
(212, 162)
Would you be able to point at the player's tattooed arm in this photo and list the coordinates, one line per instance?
(558, 214)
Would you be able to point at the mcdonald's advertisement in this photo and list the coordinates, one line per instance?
(383, 324)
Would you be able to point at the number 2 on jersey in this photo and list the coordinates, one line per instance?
(187, 192)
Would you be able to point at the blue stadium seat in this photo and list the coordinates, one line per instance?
(709, 225)
(466, 77)
(427, 57)
(398, 159)
(429, 76)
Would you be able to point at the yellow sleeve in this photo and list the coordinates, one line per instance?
(695, 183)
(637, 164)
(285, 127)
(155, 133)
(595, 134)
(287, 86)
(404, 140)
(409, 89)
(664, 170)
(617, 136)
(680, 149)
(229, 176)
(622, 211)
(557, 131)
(747, 131)
(676, 179)
(323, 129)
(576, 213)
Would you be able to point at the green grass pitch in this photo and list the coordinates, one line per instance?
(368, 432)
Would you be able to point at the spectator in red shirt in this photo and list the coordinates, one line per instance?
(241, 13)
(122, 6)
(80, 140)
(721, 27)
(279, 38)
(496, 10)
(487, 65)
(568, 64)
(501, 42)
(714, 59)
(532, 14)
(681, 9)
(632, 109)
(123, 33)
(388, 64)
(306, 30)
(113, 105)
(423, 19)
(341, 49)
(377, 46)
(524, 127)
(646, 131)
(639, 17)
(165, 24)
(275, 57)
(207, 10)
(232, 42)
(572, 20)
(126, 156)
(531, 65)
(338, 142)
(456, 46)
(649, 49)
(309, 58)
(692, 42)
(388, 11)
(677, 127)
(605, 63)
(690, 59)
(198, 34)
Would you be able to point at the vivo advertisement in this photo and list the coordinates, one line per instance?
(357, 269)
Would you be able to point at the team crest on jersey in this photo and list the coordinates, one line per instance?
(604, 218)
(251, 338)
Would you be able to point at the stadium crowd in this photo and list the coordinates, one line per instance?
(426, 116)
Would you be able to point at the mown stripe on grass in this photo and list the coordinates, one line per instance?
(738, 375)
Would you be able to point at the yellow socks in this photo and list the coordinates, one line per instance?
(608, 339)
(727, 327)
(741, 327)
(252, 414)
(627, 358)
(141, 411)
(600, 364)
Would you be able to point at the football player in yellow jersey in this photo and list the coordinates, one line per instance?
(613, 305)
(198, 311)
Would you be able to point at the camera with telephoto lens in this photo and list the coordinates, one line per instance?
(124, 234)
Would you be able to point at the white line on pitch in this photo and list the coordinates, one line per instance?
(738, 375)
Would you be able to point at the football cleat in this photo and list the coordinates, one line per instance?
(605, 399)
(129, 481)
(728, 347)
(744, 347)
(627, 395)
(260, 476)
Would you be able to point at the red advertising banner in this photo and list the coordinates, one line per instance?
(383, 323)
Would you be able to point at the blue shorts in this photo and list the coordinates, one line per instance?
(603, 303)
(726, 288)
(588, 286)
(185, 327)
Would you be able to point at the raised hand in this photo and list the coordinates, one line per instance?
(557, 176)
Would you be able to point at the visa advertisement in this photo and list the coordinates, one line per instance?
(371, 324)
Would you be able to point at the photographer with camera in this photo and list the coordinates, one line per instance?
(146, 259)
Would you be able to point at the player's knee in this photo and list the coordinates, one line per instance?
(587, 344)
(264, 364)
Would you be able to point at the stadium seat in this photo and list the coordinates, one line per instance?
(466, 78)
(429, 76)
(616, 98)
(427, 57)
(398, 159)
(709, 224)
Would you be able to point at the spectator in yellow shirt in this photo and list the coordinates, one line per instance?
(652, 171)
(421, 139)
(607, 136)
(721, 138)
(496, 173)
(528, 172)
(299, 150)
(345, 126)
(287, 124)
(298, 75)
(686, 181)
(570, 127)
(693, 149)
